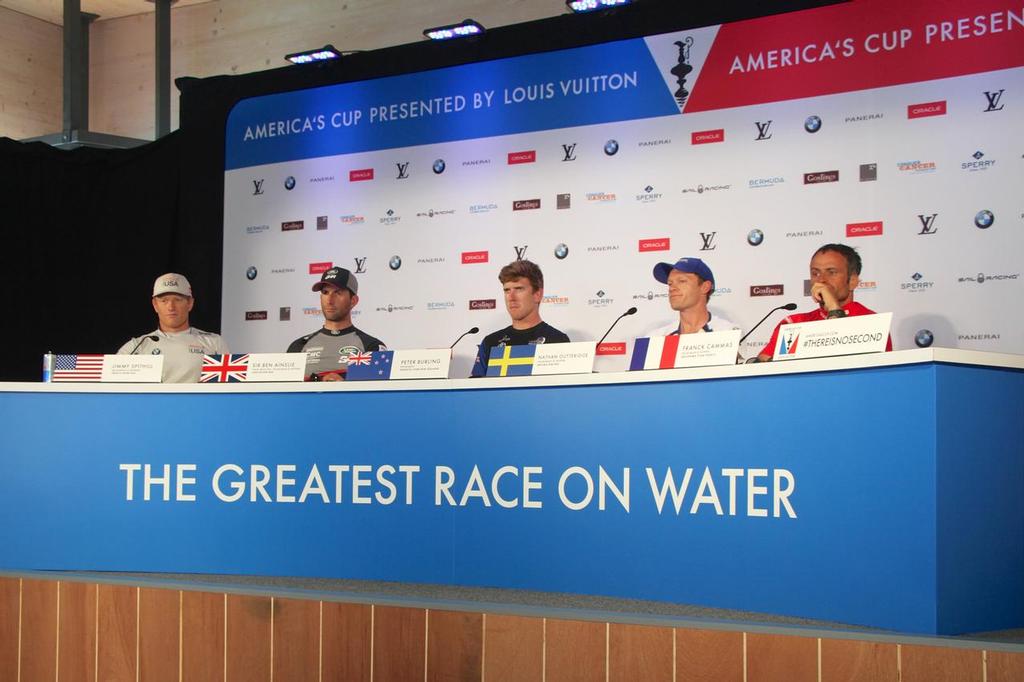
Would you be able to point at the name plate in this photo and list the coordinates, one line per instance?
(542, 359)
(140, 369)
(686, 350)
(827, 338)
(427, 363)
(253, 367)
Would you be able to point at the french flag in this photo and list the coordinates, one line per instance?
(655, 352)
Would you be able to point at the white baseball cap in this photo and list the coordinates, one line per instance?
(172, 283)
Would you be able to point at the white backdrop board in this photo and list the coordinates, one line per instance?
(897, 130)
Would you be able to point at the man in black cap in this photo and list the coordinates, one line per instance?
(328, 349)
(690, 285)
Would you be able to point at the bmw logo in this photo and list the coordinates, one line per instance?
(812, 124)
(395, 262)
(981, 278)
(439, 166)
(984, 219)
(611, 147)
(755, 237)
(924, 338)
(155, 351)
(561, 251)
(289, 182)
(251, 272)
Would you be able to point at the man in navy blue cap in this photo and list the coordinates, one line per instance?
(690, 285)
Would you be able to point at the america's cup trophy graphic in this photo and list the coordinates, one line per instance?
(682, 70)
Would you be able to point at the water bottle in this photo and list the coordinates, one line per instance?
(49, 360)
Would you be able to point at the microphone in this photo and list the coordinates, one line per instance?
(152, 337)
(631, 311)
(474, 330)
(788, 306)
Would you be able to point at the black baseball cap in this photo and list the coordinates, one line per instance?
(339, 277)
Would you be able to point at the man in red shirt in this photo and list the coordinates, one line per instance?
(835, 273)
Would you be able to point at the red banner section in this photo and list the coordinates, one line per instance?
(857, 46)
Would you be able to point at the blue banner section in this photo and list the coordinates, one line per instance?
(761, 494)
(583, 86)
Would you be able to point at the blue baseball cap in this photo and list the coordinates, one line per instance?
(693, 265)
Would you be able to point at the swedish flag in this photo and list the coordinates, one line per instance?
(511, 361)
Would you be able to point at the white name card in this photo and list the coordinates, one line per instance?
(276, 367)
(686, 350)
(136, 369)
(428, 363)
(827, 338)
(564, 358)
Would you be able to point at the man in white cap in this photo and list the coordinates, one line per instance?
(690, 285)
(182, 346)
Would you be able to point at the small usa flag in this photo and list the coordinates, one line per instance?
(224, 368)
(78, 368)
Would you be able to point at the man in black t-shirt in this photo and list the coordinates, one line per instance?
(523, 283)
(328, 348)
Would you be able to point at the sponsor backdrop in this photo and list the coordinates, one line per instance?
(895, 129)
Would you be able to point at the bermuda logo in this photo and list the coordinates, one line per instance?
(928, 223)
(763, 131)
(257, 187)
(403, 171)
(681, 70)
(993, 101)
(569, 152)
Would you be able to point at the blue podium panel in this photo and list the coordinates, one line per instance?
(882, 496)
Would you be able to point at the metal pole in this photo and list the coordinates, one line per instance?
(163, 66)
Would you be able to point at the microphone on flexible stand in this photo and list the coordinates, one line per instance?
(152, 337)
(474, 330)
(788, 306)
(631, 311)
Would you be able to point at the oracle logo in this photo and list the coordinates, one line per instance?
(660, 244)
(483, 304)
(864, 229)
(361, 174)
(707, 136)
(926, 109)
(618, 348)
(474, 257)
(318, 268)
(522, 157)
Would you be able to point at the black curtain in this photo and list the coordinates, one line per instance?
(86, 231)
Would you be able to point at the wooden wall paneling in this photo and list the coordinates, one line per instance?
(248, 642)
(844, 660)
(38, 630)
(10, 599)
(781, 658)
(30, 76)
(938, 664)
(159, 635)
(639, 652)
(399, 645)
(575, 651)
(76, 650)
(709, 655)
(1005, 666)
(117, 633)
(455, 642)
(346, 642)
(513, 649)
(202, 636)
(296, 639)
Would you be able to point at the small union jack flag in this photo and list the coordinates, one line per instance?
(224, 368)
(359, 359)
